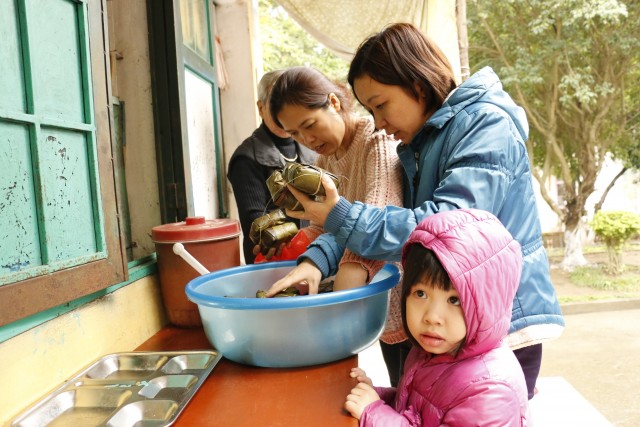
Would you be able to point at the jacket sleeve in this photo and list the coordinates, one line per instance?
(387, 394)
(249, 188)
(251, 194)
(496, 403)
(475, 171)
(325, 253)
(380, 414)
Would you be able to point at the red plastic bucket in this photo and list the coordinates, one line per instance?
(215, 243)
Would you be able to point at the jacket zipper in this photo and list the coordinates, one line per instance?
(416, 156)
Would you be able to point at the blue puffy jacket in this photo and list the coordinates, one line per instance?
(471, 153)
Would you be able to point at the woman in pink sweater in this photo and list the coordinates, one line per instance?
(317, 113)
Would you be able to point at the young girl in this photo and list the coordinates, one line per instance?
(462, 147)
(461, 272)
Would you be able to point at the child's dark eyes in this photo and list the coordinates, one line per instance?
(420, 294)
(379, 106)
(454, 300)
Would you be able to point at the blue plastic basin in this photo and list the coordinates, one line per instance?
(290, 331)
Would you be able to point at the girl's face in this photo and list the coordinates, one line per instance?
(435, 318)
(392, 107)
(321, 130)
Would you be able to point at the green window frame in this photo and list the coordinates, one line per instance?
(60, 236)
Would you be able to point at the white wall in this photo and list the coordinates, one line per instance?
(237, 30)
(624, 196)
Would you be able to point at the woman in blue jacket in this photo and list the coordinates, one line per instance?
(462, 147)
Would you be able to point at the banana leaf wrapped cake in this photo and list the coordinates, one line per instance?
(303, 177)
(280, 195)
(271, 230)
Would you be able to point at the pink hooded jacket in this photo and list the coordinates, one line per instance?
(483, 385)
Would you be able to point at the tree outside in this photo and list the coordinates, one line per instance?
(285, 44)
(574, 67)
(616, 229)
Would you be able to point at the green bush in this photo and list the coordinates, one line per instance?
(615, 228)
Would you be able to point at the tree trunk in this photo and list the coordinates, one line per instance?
(463, 40)
(616, 264)
(598, 205)
(573, 256)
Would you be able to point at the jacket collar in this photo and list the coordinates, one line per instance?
(267, 153)
(467, 93)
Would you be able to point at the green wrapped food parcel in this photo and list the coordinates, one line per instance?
(303, 177)
(271, 230)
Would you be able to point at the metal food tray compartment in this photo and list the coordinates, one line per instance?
(138, 389)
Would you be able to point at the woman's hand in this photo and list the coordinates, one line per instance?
(272, 252)
(306, 277)
(350, 275)
(315, 211)
(361, 396)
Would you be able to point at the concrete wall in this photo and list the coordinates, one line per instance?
(623, 196)
(131, 83)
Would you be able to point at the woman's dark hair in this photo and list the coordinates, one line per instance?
(421, 265)
(306, 87)
(402, 55)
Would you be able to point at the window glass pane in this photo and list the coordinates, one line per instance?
(19, 237)
(201, 149)
(56, 59)
(195, 28)
(67, 195)
(11, 82)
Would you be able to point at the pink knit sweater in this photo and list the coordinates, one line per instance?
(369, 172)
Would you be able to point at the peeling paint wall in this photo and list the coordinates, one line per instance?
(35, 362)
(131, 83)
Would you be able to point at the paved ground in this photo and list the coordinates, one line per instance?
(599, 355)
(590, 376)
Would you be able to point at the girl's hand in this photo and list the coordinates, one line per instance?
(315, 211)
(361, 376)
(360, 397)
(306, 277)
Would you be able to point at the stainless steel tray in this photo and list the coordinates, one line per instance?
(124, 389)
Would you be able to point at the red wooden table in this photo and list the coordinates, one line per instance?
(239, 395)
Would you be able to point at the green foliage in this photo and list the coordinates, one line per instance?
(574, 66)
(616, 227)
(597, 278)
(285, 44)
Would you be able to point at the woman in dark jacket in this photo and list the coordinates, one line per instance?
(254, 161)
